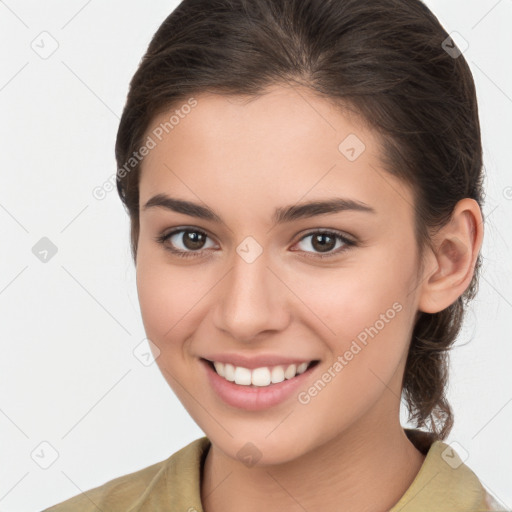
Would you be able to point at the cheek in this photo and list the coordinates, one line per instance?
(369, 324)
(348, 300)
(365, 311)
(167, 298)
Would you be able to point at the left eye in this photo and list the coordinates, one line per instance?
(325, 242)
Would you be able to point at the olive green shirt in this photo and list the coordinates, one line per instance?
(443, 484)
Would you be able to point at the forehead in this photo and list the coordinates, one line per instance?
(284, 145)
(279, 119)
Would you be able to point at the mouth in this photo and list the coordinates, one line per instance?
(259, 388)
(265, 376)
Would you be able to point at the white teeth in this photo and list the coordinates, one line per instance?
(277, 374)
(229, 372)
(262, 377)
(302, 367)
(290, 372)
(219, 367)
(242, 376)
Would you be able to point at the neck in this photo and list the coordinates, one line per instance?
(373, 462)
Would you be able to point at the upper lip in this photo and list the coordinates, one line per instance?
(257, 361)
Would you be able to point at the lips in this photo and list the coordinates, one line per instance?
(253, 397)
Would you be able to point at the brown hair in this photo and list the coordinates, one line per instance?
(388, 61)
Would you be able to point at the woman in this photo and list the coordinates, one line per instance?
(303, 179)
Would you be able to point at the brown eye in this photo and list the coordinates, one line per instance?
(193, 240)
(184, 242)
(323, 243)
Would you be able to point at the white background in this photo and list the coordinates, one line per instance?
(68, 327)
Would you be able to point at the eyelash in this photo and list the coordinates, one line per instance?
(162, 239)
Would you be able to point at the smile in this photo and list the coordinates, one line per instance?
(260, 377)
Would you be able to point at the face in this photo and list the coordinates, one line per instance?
(253, 278)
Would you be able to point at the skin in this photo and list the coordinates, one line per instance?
(242, 159)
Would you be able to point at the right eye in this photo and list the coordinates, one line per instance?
(191, 240)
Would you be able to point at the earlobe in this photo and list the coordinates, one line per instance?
(457, 245)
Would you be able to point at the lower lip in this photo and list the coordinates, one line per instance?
(254, 398)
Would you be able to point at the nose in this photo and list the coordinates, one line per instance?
(252, 300)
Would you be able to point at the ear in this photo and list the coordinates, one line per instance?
(457, 245)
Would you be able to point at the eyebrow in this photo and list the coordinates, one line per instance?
(281, 215)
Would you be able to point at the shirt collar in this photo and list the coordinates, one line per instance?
(444, 483)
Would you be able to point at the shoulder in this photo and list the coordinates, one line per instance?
(444, 483)
(168, 482)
